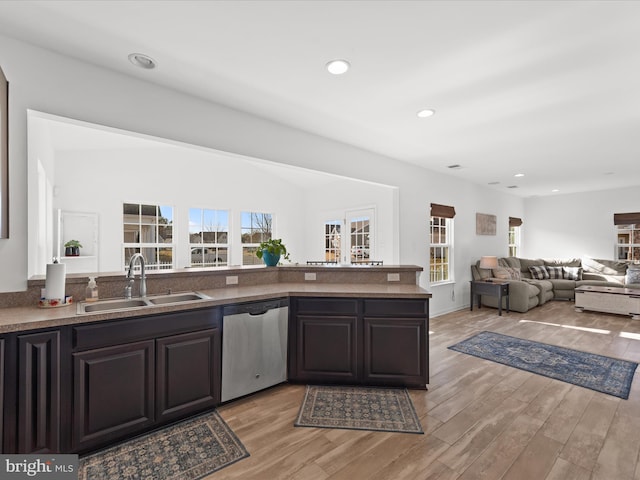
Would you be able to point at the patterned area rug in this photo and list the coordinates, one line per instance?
(597, 372)
(187, 450)
(359, 408)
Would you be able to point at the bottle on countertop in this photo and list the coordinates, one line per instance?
(91, 292)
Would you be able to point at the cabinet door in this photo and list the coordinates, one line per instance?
(113, 393)
(187, 373)
(327, 349)
(395, 351)
(38, 425)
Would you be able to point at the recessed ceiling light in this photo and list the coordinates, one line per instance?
(427, 112)
(519, 175)
(338, 67)
(143, 61)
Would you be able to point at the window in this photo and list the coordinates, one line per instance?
(256, 228)
(360, 228)
(514, 236)
(441, 238)
(148, 229)
(627, 236)
(332, 241)
(209, 237)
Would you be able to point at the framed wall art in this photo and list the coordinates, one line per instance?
(485, 224)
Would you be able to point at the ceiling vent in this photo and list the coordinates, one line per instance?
(512, 186)
(454, 167)
(493, 183)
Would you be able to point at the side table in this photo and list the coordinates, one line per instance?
(494, 288)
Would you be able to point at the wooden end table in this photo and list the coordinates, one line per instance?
(494, 288)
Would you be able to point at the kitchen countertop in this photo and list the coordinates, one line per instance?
(30, 318)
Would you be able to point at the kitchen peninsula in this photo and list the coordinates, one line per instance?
(64, 371)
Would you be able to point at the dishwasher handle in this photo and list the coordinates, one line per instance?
(255, 308)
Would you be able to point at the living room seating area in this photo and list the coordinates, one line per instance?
(534, 282)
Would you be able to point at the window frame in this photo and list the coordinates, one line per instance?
(217, 246)
(265, 232)
(129, 248)
(446, 250)
(515, 245)
(632, 246)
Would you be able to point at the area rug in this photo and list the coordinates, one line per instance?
(589, 370)
(187, 450)
(359, 408)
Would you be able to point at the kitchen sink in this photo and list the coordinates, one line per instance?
(135, 303)
(102, 306)
(176, 298)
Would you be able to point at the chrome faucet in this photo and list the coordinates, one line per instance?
(131, 276)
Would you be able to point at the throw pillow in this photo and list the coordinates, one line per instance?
(632, 275)
(502, 273)
(539, 272)
(555, 272)
(506, 273)
(573, 273)
(515, 273)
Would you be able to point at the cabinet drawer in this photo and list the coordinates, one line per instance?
(394, 307)
(143, 328)
(327, 306)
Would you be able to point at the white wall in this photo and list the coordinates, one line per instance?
(331, 201)
(48, 82)
(575, 225)
(101, 181)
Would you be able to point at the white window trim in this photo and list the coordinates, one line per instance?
(449, 244)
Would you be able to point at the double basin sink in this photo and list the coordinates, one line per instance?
(135, 303)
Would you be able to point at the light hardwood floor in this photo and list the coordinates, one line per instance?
(482, 420)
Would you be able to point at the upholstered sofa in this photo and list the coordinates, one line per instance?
(534, 282)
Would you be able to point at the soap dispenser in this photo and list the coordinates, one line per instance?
(91, 292)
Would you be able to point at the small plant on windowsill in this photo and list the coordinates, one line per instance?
(271, 251)
(72, 248)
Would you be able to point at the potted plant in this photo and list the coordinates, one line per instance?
(271, 251)
(72, 248)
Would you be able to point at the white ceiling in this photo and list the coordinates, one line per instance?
(548, 89)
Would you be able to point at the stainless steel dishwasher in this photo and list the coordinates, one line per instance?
(254, 346)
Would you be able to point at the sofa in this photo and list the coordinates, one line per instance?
(534, 282)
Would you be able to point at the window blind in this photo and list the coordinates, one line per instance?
(445, 211)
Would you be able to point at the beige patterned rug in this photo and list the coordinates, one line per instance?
(187, 450)
(359, 408)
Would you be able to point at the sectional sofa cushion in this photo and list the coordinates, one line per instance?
(604, 267)
(538, 272)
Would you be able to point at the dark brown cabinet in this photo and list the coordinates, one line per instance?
(132, 375)
(113, 393)
(188, 373)
(39, 392)
(327, 349)
(363, 341)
